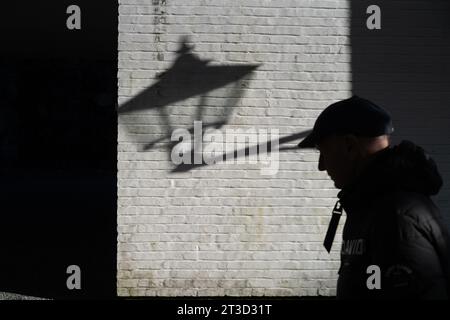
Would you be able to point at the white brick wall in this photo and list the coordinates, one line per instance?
(225, 229)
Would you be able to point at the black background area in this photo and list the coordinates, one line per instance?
(58, 148)
(404, 67)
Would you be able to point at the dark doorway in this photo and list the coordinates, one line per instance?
(404, 67)
(58, 142)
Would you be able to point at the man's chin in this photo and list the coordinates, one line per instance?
(337, 185)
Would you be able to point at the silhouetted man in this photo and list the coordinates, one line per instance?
(395, 244)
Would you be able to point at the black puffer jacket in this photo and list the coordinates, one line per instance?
(393, 224)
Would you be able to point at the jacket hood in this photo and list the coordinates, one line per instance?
(405, 166)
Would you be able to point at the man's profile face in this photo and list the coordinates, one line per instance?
(337, 158)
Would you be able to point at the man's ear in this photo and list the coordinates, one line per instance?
(351, 143)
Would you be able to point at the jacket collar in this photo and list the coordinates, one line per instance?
(367, 184)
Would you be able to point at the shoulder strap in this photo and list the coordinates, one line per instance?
(332, 227)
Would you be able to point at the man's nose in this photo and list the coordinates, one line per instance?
(321, 164)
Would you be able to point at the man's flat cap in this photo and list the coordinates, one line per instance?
(355, 115)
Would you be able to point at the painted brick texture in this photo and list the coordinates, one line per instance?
(226, 229)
